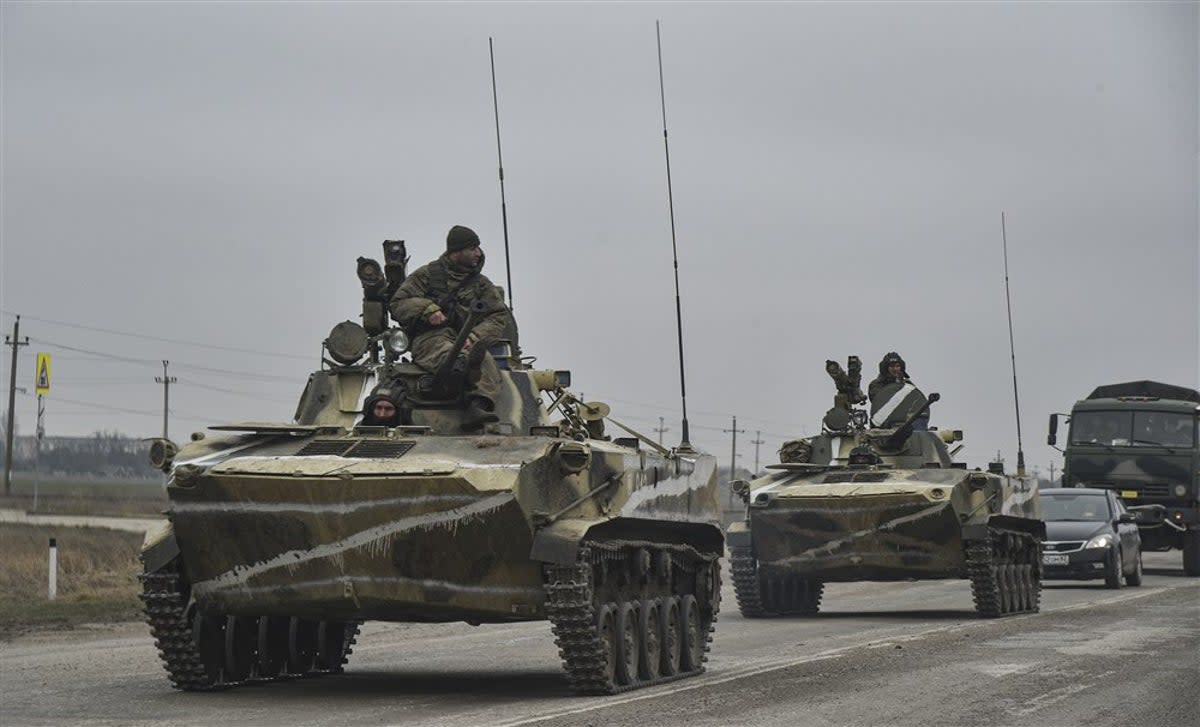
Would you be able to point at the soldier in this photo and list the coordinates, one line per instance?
(893, 395)
(382, 408)
(891, 371)
(432, 305)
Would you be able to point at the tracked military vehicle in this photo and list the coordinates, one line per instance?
(282, 538)
(877, 497)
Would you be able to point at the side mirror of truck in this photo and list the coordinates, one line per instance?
(1052, 437)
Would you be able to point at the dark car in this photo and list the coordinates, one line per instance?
(1089, 534)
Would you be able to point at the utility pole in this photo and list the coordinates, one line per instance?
(660, 429)
(1052, 473)
(733, 453)
(758, 440)
(166, 381)
(12, 402)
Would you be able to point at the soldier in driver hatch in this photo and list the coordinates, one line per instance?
(432, 305)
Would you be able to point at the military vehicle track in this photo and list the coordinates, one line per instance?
(628, 615)
(760, 596)
(1005, 570)
(203, 652)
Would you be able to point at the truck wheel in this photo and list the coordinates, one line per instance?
(1191, 553)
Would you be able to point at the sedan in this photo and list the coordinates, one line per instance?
(1089, 534)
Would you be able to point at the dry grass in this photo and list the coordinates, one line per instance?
(97, 577)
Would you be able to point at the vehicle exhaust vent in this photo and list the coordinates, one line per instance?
(380, 448)
(855, 477)
(335, 447)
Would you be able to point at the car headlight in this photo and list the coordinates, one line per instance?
(396, 341)
(1103, 540)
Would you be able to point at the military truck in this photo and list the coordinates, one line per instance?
(281, 538)
(1139, 439)
(875, 498)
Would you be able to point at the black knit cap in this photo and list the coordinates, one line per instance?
(460, 238)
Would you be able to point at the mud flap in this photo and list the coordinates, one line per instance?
(738, 535)
(159, 547)
(559, 543)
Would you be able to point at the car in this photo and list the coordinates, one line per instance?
(1090, 535)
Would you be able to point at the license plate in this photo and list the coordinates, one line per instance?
(1129, 494)
(1049, 559)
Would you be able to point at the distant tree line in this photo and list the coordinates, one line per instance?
(103, 454)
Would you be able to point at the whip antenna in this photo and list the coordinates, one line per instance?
(500, 160)
(685, 444)
(1012, 350)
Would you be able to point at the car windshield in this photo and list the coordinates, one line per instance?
(1163, 429)
(1075, 507)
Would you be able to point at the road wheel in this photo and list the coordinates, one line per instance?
(208, 636)
(693, 640)
(1135, 577)
(606, 632)
(331, 642)
(628, 643)
(302, 646)
(650, 625)
(241, 640)
(272, 645)
(1191, 553)
(672, 636)
(1114, 575)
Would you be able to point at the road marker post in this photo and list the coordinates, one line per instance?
(52, 587)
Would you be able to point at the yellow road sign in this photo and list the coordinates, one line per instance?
(43, 374)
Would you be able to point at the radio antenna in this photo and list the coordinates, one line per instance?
(500, 160)
(1012, 350)
(684, 444)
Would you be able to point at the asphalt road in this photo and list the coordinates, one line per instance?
(878, 654)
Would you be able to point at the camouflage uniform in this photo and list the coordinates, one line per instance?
(425, 291)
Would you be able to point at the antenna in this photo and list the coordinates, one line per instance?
(684, 444)
(500, 160)
(1012, 350)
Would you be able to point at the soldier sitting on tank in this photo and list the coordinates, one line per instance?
(893, 394)
(432, 305)
(382, 408)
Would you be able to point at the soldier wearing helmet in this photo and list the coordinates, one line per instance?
(893, 395)
(892, 370)
(382, 408)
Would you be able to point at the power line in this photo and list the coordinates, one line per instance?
(178, 341)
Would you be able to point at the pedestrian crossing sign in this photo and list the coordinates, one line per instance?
(43, 374)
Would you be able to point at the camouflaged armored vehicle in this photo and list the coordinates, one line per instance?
(282, 538)
(878, 498)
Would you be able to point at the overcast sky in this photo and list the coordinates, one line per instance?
(204, 175)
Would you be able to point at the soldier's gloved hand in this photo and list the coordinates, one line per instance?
(437, 318)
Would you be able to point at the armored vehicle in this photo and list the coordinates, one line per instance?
(282, 538)
(1138, 438)
(879, 498)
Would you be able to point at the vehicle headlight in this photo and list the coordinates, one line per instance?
(1180, 490)
(1103, 540)
(396, 341)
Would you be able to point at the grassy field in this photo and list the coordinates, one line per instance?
(87, 496)
(97, 577)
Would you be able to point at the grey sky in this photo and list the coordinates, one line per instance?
(209, 173)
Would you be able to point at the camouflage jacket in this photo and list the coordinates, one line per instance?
(425, 291)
